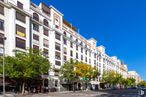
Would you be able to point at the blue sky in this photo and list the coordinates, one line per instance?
(119, 25)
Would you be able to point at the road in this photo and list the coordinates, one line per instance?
(105, 93)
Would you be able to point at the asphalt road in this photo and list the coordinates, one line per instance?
(120, 93)
(105, 93)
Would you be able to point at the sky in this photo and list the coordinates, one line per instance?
(119, 25)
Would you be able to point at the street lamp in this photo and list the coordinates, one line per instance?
(3, 39)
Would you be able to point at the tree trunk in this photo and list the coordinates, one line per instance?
(23, 88)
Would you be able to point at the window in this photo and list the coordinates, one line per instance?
(90, 61)
(35, 27)
(95, 62)
(77, 55)
(81, 57)
(45, 9)
(20, 43)
(46, 32)
(65, 50)
(56, 26)
(20, 31)
(1, 10)
(57, 46)
(45, 52)
(81, 43)
(65, 58)
(19, 5)
(1, 24)
(57, 36)
(64, 38)
(89, 54)
(45, 22)
(71, 53)
(57, 55)
(35, 47)
(86, 59)
(46, 12)
(20, 17)
(64, 41)
(36, 16)
(81, 50)
(77, 47)
(71, 37)
(46, 43)
(1, 39)
(94, 55)
(86, 52)
(71, 44)
(57, 63)
(76, 40)
(35, 37)
(64, 34)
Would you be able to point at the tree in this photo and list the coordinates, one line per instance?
(67, 72)
(112, 78)
(86, 71)
(26, 65)
(76, 71)
(142, 83)
(131, 81)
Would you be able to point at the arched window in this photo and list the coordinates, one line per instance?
(45, 22)
(36, 16)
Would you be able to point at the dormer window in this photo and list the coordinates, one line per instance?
(19, 4)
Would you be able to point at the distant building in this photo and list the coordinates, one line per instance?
(135, 75)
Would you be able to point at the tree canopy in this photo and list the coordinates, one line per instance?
(25, 65)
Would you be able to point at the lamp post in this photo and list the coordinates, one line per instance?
(3, 39)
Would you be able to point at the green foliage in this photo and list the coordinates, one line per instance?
(142, 83)
(72, 71)
(25, 65)
(84, 70)
(67, 71)
(112, 77)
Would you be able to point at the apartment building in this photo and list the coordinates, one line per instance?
(42, 27)
(135, 75)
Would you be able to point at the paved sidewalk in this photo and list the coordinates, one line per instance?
(59, 94)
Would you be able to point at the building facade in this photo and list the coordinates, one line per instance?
(42, 27)
(135, 75)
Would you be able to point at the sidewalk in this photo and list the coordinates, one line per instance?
(50, 94)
